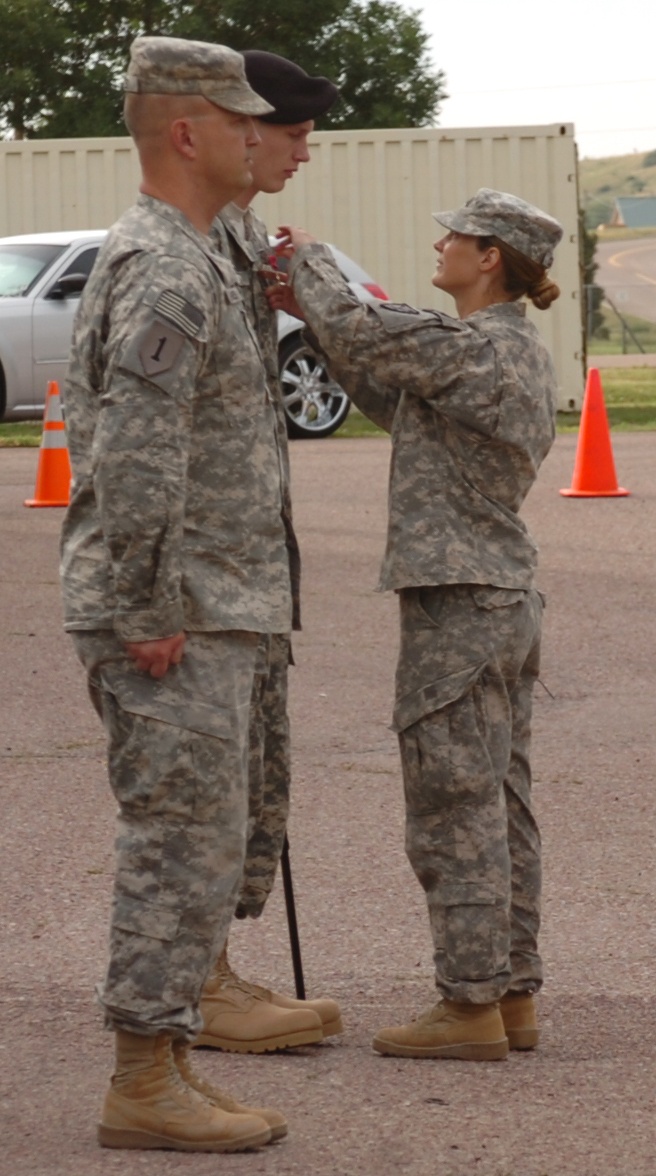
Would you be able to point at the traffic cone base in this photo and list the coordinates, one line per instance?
(53, 475)
(620, 492)
(594, 466)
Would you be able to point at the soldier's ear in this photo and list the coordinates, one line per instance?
(490, 259)
(183, 138)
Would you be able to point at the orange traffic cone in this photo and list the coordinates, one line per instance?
(53, 475)
(594, 468)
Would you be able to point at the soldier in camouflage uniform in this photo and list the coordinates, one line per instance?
(470, 403)
(174, 563)
(238, 1015)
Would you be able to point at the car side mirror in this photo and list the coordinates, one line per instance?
(68, 285)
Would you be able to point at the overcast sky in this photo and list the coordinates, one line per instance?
(517, 62)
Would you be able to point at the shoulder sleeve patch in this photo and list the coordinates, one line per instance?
(398, 316)
(180, 313)
(159, 348)
(400, 308)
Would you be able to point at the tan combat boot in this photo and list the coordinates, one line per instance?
(449, 1030)
(238, 1019)
(276, 1122)
(520, 1020)
(326, 1009)
(148, 1105)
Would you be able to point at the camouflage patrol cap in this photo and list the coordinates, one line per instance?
(499, 214)
(170, 65)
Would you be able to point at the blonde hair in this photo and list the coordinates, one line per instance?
(521, 275)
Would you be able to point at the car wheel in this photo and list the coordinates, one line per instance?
(315, 406)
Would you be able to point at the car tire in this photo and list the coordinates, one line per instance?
(315, 405)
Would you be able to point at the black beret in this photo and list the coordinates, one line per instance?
(295, 95)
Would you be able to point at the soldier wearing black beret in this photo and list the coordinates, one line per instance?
(240, 1016)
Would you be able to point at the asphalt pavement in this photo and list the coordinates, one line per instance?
(583, 1104)
(627, 274)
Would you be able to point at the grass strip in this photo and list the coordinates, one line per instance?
(629, 394)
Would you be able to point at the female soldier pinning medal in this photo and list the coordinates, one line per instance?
(470, 403)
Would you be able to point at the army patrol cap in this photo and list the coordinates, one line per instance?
(170, 65)
(297, 97)
(499, 214)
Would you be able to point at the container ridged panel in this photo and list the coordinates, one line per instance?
(371, 193)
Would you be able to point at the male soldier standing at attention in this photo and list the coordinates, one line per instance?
(237, 1015)
(174, 562)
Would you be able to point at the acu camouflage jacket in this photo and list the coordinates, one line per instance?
(243, 238)
(175, 513)
(470, 404)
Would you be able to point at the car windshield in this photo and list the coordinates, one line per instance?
(22, 265)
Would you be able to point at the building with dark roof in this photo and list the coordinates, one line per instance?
(634, 212)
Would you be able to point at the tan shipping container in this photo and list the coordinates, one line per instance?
(371, 193)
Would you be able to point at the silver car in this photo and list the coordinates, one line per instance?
(41, 276)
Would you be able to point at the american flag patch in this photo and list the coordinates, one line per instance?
(180, 313)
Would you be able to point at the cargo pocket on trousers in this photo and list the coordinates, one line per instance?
(158, 702)
(410, 708)
(166, 754)
(475, 933)
(145, 918)
(143, 936)
(423, 723)
(489, 598)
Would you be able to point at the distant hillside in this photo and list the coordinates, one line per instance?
(602, 180)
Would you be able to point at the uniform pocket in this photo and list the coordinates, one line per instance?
(489, 598)
(434, 696)
(141, 695)
(475, 933)
(168, 759)
(145, 918)
(423, 608)
(429, 604)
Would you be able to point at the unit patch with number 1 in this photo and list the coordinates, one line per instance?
(160, 347)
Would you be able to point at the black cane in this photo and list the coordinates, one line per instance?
(291, 920)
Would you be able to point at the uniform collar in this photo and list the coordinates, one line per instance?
(239, 222)
(175, 216)
(498, 310)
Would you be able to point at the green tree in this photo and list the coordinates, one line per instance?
(375, 51)
(32, 45)
(636, 183)
(380, 60)
(593, 294)
(598, 211)
(99, 33)
(92, 107)
(250, 24)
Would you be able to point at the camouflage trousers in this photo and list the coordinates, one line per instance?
(269, 774)
(468, 661)
(178, 767)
